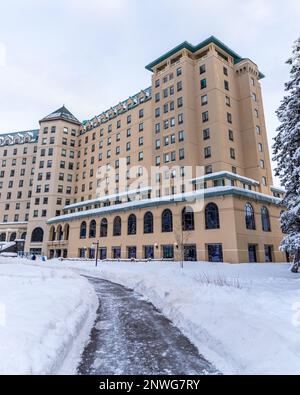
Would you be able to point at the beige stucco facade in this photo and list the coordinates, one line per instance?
(204, 109)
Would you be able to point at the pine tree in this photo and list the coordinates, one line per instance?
(287, 155)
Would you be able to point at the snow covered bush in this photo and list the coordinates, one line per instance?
(287, 155)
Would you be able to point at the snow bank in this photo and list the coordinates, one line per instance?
(45, 318)
(241, 317)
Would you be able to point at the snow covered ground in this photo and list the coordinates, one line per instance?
(45, 318)
(244, 318)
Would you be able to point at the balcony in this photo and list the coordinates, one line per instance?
(57, 243)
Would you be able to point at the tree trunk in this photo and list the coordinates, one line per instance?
(296, 264)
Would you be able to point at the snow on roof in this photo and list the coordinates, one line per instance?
(123, 106)
(226, 174)
(196, 195)
(277, 189)
(62, 113)
(27, 136)
(13, 223)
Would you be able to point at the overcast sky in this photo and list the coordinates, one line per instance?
(90, 54)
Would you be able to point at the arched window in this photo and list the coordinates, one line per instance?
(37, 235)
(117, 226)
(148, 223)
(167, 221)
(132, 224)
(66, 231)
(188, 220)
(212, 219)
(92, 232)
(23, 236)
(59, 233)
(2, 237)
(83, 230)
(250, 217)
(13, 237)
(52, 233)
(103, 228)
(265, 219)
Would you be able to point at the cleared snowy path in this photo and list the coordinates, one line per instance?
(131, 336)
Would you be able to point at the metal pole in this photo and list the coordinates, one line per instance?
(97, 249)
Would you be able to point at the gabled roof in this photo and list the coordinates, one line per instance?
(27, 136)
(62, 113)
(194, 48)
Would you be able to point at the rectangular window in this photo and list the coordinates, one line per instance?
(208, 169)
(226, 85)
(181, 154)
(215, 252)
(207, 152)
(204, 100)
(206, 134)
(232, 153)
(179, 86)
(205, 117)
(168, 251)
(202, 69)
(203, 84)
(230, 135)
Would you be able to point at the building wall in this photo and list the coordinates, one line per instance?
(48, 188)
(17, 161)
(137, 131)
(232, 233)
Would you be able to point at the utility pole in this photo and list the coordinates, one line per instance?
(97, 251)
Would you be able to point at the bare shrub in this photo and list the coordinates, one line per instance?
(219, 281)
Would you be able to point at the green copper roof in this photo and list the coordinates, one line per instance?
(62, 113)
(194, 48)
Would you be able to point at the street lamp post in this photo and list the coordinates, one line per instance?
(97, 251)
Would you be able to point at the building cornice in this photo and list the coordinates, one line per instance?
(194, 48)
(167, 200)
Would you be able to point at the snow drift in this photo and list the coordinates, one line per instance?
(45, 318)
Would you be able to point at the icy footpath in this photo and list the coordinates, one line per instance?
(46, 315)
(243, 318)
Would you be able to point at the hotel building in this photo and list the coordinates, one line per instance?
(204, 110)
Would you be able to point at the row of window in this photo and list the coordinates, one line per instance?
(214, 252)
(53, 130)
(15, 151)
(188, 223)
(168, 77)
(212, 221)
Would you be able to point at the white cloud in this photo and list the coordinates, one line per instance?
(3, 55)
(98, 8)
